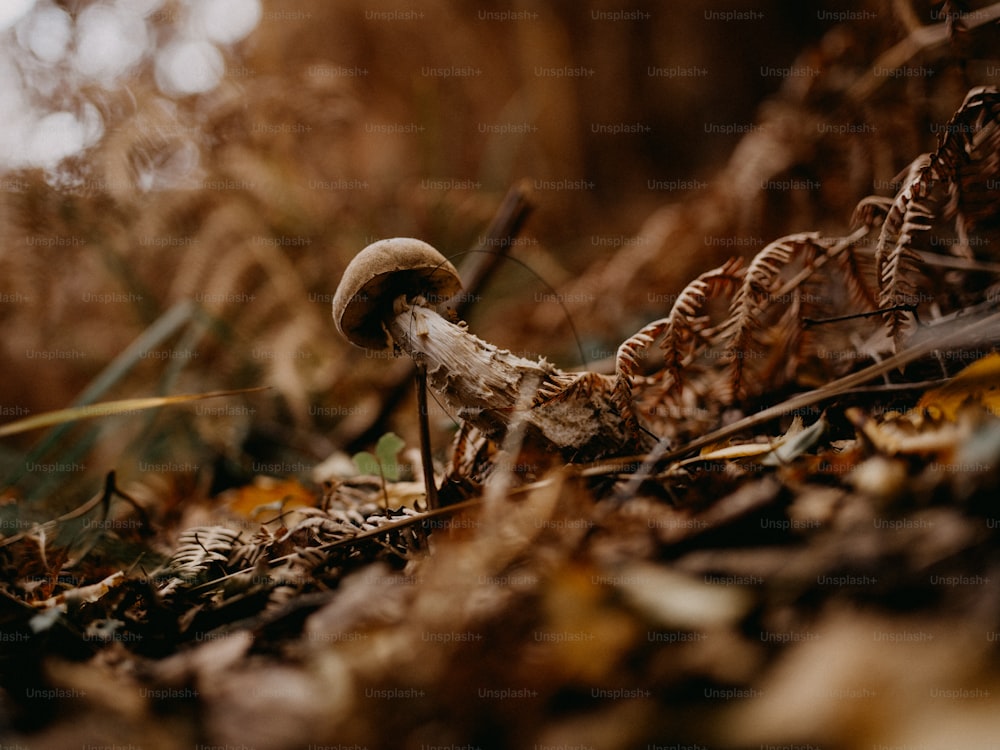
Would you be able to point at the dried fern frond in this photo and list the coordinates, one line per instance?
(682, 333)
(871, 211)
(855, 272)
(199, 548)
(687, 322)
(566, 386)
(749, 309)
(975, 160)
(953, 183)
(896, 259)
(684, 327)
(215, 564)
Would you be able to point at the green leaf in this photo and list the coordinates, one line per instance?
(387, 450)
(367, 464)
(384, 463)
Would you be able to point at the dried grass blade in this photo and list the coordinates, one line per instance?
(111, 408)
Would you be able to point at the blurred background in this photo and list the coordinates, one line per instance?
(184, 182)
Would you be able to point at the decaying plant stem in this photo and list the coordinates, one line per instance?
(483, 385)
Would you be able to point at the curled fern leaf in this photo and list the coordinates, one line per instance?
(859, 290)
(871, 211)
(952, 183)
(689, 330)
(201, 547)
(751, 302)
(896, 259)
(684, 331)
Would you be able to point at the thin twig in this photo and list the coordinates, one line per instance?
(426, 458)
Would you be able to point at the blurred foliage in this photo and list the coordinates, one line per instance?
(249, 199)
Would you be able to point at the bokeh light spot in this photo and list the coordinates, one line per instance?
(55, 137)
(11, 11)
(110, 42)
(226, 21)
(189, 67)
(47, 34)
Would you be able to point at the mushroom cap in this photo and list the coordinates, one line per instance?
(378, 275)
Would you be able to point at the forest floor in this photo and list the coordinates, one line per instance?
(766, 517)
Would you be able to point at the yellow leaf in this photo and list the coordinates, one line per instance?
(979, 383)
(267, 493)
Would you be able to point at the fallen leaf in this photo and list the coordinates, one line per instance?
(979, 383)
(267, 493)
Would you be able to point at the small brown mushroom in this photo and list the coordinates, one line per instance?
(380, 274)
(385, 299)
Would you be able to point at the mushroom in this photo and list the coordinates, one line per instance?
(378, 276)
(387, 299)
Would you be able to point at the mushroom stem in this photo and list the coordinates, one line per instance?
(482, 384)
(383, 301)
(427, 463)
